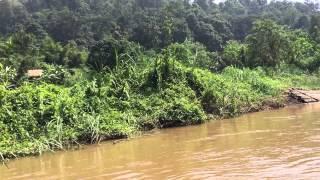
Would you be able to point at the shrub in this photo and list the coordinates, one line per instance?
(7, 74)
(194, 55)
(181, 112)
(111, 53)
(55, 74)
(234, 54)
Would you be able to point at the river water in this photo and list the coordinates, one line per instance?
(283, 144)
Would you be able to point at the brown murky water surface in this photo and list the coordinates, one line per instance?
(282, 144)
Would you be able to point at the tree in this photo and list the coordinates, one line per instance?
(312, 4)
(267, 44)
(109, 54)
(204, 4)
(72, 56)
(303, 23)
(315, 28)
(212, 31)
(51, 51)
(234, 54)
(241, 26)
(194, 54)
(23, 43)
(254, 6)
(63, 25)
(150, 3)
(303, 52)
(232, 8)
(12, 16)
(147, 32)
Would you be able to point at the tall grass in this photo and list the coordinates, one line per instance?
(91, 107)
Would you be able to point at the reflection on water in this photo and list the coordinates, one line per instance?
(275, 144)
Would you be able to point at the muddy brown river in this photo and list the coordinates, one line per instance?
(280, 144)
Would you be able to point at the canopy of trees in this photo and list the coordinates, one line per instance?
(63, 32)
(152, 23)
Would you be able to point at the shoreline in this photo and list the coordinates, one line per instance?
(270, 104)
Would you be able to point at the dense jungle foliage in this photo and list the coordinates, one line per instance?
(115, 67)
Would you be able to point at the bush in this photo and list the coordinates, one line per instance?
(234, 54)
(194, 55)
(232, 92)
(96, 127)
(55, 74)
(111, 53)
(174, 105)
(181, 112)
(7, 74)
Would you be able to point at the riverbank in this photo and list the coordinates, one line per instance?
(200, 152)
(270, 104)
(40, 116)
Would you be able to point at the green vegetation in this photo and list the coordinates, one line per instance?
(116, 67)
